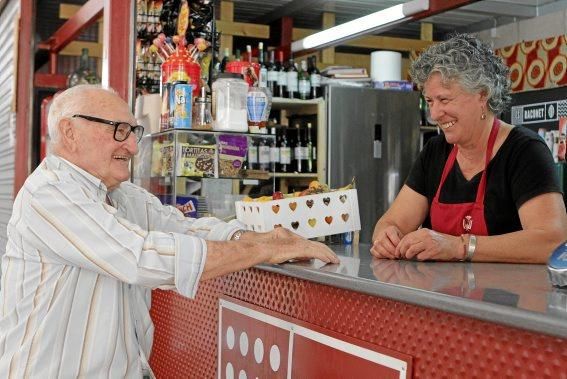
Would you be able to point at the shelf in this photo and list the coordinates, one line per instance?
(210, 132)
(293, 175)
(282, 102)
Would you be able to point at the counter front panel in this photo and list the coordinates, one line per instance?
(379, 305)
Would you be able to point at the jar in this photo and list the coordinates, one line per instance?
(179, 66)
(202, 118)
(229, 103)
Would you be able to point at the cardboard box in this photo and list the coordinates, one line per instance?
(309, 216)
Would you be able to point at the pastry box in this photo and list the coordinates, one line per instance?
(309, 216)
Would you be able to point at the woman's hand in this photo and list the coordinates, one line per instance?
(385, 242)
(426, 244)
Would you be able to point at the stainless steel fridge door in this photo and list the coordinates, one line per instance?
(374, 136)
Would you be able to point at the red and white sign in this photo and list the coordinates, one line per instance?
(256, 343)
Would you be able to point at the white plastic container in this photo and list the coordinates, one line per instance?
(229, 103)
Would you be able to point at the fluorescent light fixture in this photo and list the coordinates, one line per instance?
(380, 20)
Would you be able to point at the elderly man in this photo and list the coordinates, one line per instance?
(85, 247)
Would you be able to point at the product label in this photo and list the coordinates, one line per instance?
(273, 76)
(274, 154)
(292, 81)
(256, 106)
(315, 80)
(264, 152)
(304, 86)
(263, 80)
(282, 78)
(252, 154)
(285, 155)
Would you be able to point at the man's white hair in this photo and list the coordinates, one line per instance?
(69, 102)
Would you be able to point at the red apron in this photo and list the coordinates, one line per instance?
(463, 218)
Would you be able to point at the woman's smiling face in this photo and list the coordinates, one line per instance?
(456, 111)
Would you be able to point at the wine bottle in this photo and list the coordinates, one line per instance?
(314, 78)
(292, 80)
(274, 150)
(282, 77)
(304, 85)
(263, 77)
(285, 152)
(273, 75)
(311, 150)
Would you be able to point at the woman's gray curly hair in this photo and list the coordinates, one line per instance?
(471, 63)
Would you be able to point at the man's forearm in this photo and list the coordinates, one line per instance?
(229, 256)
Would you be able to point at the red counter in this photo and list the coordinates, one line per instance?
(437, 342)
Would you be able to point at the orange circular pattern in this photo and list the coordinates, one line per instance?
(536, 72)
(558, 68)
(516, 75)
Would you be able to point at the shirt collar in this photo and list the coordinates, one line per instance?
(85, 175)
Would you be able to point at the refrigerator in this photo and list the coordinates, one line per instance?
(373, 135)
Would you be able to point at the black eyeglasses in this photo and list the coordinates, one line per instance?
(122, 130)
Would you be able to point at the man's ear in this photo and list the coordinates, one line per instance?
(68, 134)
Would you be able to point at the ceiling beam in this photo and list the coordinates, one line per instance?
(502, 9)
(86, 16)
(287, 9)
(435, 7)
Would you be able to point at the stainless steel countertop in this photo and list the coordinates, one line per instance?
(518, 295)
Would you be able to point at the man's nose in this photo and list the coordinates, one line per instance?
(132, 143)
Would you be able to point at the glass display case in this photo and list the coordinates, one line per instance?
(204, 172)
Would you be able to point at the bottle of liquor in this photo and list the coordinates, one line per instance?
(237, 55)
(304, 85)
(83, 74)
(315, 78)
(249, 53)
(311, 150)
(252, 155)
(282, 76)
(224, 61)
(263, 77)
(299, 150)
(273, 75)
(263, 154)
(292, 80)
(285, 152)
(274, 149)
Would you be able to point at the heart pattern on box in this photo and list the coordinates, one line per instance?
(344, 216)
(275, 208)
(343, 198)
(326, 200)
(329, 219)
(292, 205)
(312, 222)
(309, 203)
(250, 209)
(258, 209)
(295, 224)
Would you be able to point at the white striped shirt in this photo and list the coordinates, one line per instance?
(77, 273)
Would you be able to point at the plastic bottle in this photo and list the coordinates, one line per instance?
(229, 103)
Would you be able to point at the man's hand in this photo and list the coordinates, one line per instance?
(300, 249)
(277, 246)
(426, 244)
(277, 233)
(385, 243)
